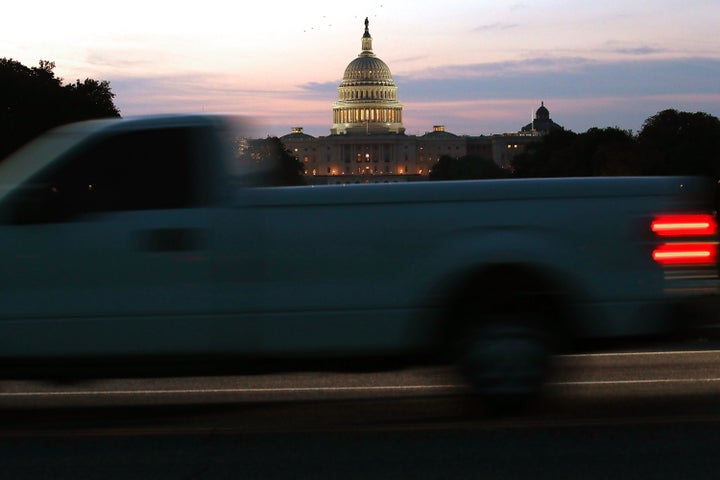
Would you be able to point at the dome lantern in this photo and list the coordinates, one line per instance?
(367, 39)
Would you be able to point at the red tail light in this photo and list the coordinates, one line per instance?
(688, 225)
(686, 254)
(696, 244)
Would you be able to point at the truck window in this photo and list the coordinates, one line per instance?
(143, 170)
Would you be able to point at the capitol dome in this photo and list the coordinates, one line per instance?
(366, 70)
(367, 96)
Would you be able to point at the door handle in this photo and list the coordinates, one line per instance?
(169, 239)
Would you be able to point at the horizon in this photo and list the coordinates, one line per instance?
(477, 69)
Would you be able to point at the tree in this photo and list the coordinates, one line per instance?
(465, 168)
(597, 152)
(33, 100)
(270, 162)
(92, 99)
(675, 143)
(538, 156)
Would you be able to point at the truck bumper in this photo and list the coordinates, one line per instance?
(683, 313)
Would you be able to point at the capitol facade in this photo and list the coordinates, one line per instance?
(367, 141)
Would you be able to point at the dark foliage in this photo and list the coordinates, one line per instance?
(279, 165)
(33, 100)
(670, 143)
(562, 153)
(675, 142)
(466, 168)
(539, 157)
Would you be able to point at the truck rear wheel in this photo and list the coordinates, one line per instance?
(505, 359)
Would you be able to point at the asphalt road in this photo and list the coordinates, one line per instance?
(651, 414)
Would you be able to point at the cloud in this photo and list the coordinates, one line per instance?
(185, 93)
(410, 60)
(557, 77)
(497, 26)
(568, 78)
(120, 60)
(320, 89)
(504, 69)
(641, 50)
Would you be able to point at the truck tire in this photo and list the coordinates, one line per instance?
(505, 359)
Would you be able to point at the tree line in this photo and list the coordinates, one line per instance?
(33, 100)
(670, 143)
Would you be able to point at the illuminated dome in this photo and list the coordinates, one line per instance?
(366, 70)
(367, 96)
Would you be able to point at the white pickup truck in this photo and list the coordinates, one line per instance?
(146, 239)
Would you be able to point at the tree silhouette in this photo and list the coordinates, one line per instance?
(33, 100)
(539, 158)
(675, 143)
(466, 168)
(276, 165)
(670, 143)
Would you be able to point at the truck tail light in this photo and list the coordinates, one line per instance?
(689, 225)
(690, 239)
(700, 253)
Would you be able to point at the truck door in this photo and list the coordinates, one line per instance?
(106, 251)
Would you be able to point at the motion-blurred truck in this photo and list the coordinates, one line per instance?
(149, 239)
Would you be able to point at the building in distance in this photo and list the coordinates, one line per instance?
(367, 141)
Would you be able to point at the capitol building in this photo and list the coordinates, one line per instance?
(367, 141)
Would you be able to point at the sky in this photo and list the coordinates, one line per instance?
(478, 67)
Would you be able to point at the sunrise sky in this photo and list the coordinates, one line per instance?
(477, 67)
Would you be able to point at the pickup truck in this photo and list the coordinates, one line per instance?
(151, 238)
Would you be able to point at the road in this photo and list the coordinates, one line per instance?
(651, 414)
